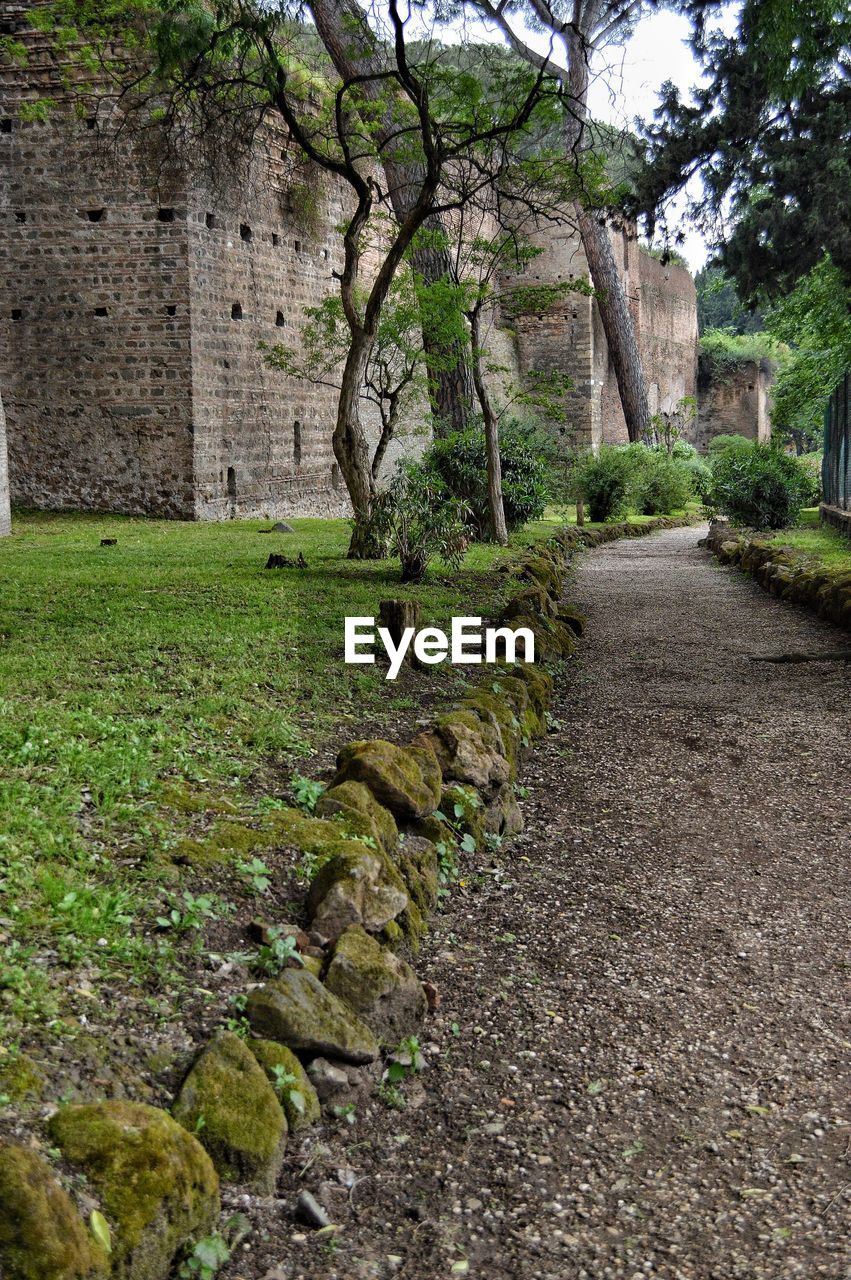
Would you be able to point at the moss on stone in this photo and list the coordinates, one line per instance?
(156, 1183)
(20, 1077)
(298, 1011)
(271, 1054)
(319, 838)
(382, 988)
(403, 779)
(419, 864)
(572, 617)
(538, 682)
(463, 807)
(227, 1101)
(392, 936)
(360, 813)
(487, 704)
(358, 886)
(42, 1236)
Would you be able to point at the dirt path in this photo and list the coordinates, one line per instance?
(640, 1066)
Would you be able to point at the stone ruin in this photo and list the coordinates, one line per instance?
(133, 303)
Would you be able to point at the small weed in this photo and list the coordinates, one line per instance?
(306, 792)
(209, 1254)
(286, 1086)
(276, 954)
(391, 1096)
(347, 1111)
(257, 874)
(190, 912)
(406, 1061)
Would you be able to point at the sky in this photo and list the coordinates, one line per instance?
(628, 79)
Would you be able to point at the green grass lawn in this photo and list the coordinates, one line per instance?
(828, 545)
(153, 687)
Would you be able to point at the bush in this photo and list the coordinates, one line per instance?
(757, 486)
(811, 462)
(416, 520)
(662, 482)
(606, 481)
(457, 465)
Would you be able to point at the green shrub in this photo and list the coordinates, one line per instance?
(419, 522)
(662, 482)
(758, 486)
(606, 481)
(722, 444)
(811, 462)
(457, 464)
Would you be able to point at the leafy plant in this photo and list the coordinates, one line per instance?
(257, 874)
(286, 1086)
(190, 911)
(419, 522)
(662, 482)
(605, 481)
(406, 1061)
(457, 465)
(758, 487)
(276, 954)
(306, 792)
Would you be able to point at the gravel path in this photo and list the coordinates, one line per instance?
(640, 1065)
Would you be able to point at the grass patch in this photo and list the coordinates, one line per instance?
(827, 545)
(151, 692)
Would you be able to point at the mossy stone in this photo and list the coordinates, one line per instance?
(270, 1054)
(42, 1235)
(534, 599)
(156, 1184)
(358, 887)
(488, 706)
(572, 617)
(228, 1102)
(20, 1078)
(382, 988)
(319, 838)
(470, 748)
(405, 780)
(361, 813)
(463, 806)
(420, 865)
(297, 1010)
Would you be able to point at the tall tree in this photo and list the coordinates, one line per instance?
(356, 52)
(769, 133)
(579, 28)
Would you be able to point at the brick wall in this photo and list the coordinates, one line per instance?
(734, 402)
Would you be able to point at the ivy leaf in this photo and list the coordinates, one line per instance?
(468, 843)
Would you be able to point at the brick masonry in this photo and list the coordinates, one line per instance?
(734, 402)
(133, 301)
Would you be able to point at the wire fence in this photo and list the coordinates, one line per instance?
(836, 465)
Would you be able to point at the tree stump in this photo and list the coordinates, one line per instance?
(580, 511)
(395, 616)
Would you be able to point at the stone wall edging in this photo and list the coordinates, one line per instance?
(228, 1122)
(785, 572)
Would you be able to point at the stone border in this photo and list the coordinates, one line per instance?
(786, 572)
(840, 519)
(385, 837)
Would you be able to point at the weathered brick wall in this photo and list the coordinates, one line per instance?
(5, 518)
(569, 336)
(733, 402)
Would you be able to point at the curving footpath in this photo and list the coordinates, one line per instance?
(640, 1062)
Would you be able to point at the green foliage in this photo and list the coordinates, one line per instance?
(306, 792)
(718, 304)
(257, 874)
(605, 481)
(406, 1061)
(190, 911)
(815, 319)
(457, 466)
(278, 952)
(722, 354)
(757, 486)
(662, 483)
(287, 1088)
(420, 522)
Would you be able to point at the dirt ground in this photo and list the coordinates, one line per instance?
(640, 1063)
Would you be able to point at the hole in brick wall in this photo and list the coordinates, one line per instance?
(91, 121)
(165, 215)
(7, 27)
(297, 443)
(236, 312)
(100, 312)
(279, 319)
(750, 386)
(171, 311)
(17, 313)
(276, 239)
(210, 221)
(245, 233)
(325, 253)
(6, 125)
(95, 215)
(297, 246)
(20, 216)
(231, 483)
(335, 476)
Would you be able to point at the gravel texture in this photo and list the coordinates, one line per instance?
(640, 1063)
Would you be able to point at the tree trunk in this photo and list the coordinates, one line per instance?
(611, 299)
(356, 52)
(496, 506)
(352, 450)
